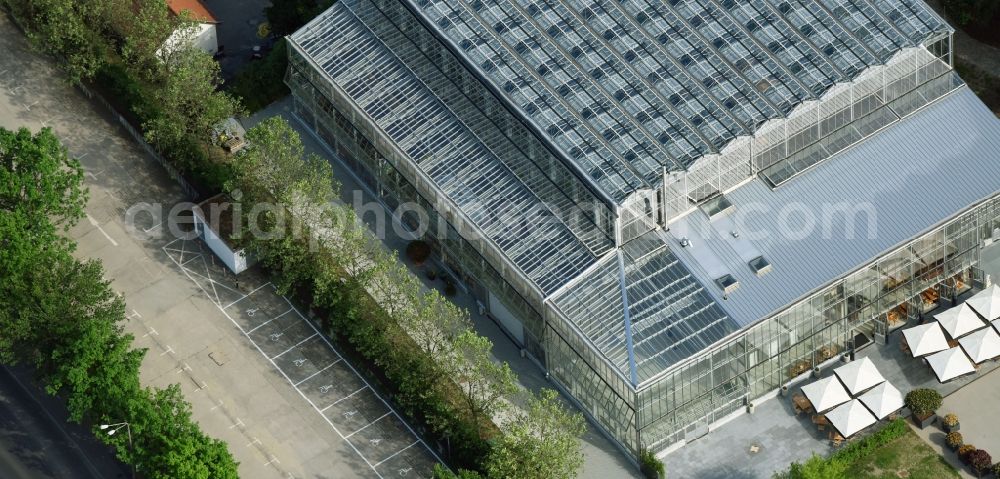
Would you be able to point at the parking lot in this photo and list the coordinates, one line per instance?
(310, 364)
(238, 392)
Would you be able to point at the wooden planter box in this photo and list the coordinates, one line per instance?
(923, 422)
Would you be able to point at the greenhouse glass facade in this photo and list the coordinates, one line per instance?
(593, 164)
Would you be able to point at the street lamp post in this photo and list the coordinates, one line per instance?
(117, 427)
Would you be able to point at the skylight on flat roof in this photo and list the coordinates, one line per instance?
(728, 283)
(716, 206)
(760, 266)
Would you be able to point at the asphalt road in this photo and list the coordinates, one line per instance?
(36, 442)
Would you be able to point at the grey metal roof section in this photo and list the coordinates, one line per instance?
(669, 315)
(455, 160)
(628, 88)
(914, 175)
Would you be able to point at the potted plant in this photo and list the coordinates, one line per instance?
(923, 403)
(950, 423)
(418, 251)
(963, 452)
(650, 466)
(980, 461)
(954, 440)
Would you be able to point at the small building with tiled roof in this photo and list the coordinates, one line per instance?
(206, 36)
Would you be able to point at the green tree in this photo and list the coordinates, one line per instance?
(441, 472)
(485, 383)
(540, 443)
(76, 342)
(65, 28)
(188, 97)
(39, 180)
(166, 442)
(274, 171)
(40, 195)
(275, 167)
(141, 27)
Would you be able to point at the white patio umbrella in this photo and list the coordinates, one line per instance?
(925, 339)
(960, 320)
(981, 345)
(987, 303)
(882, 400)
(850, 418)
(825, 393)
(950, 364)
(859, 375)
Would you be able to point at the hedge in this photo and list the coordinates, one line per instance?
(852, 452)
(352, 316)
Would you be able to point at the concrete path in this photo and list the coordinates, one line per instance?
(240, 390)
(782, 437)
(976, 405)
(602, 459)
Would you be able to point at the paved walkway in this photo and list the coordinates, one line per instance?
(260, 395)
(602, 458)
(782, 438)
(339, 395)
(976, 406)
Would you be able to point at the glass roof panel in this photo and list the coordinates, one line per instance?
(488, 193)
(627, 88)
(672, 316)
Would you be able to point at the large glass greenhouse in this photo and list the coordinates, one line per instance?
(675, 207)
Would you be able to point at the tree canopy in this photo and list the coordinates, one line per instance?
(540, 443)
(59, 315)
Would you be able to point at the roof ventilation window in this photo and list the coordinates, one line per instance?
(716, 206)
(760, 266)
(728, 283)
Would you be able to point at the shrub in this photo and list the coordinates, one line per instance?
(440, 472)
(923, 402)
(262, 82)
(858, 449)
(996, 469)
(964, 451)
(979, 460)
(954, 439)
(835, 467)
(950, 420)
(650, 466)
(818, 468)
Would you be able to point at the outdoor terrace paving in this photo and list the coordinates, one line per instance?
(782, 438)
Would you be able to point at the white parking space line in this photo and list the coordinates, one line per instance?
(94, 223)
(328, 421)
(363, 380)
(343, 398)
(245, 296)
(268, 321)
(369, 424)
(296, 345)
(396, 453)
(328, 366)
(294, 385)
